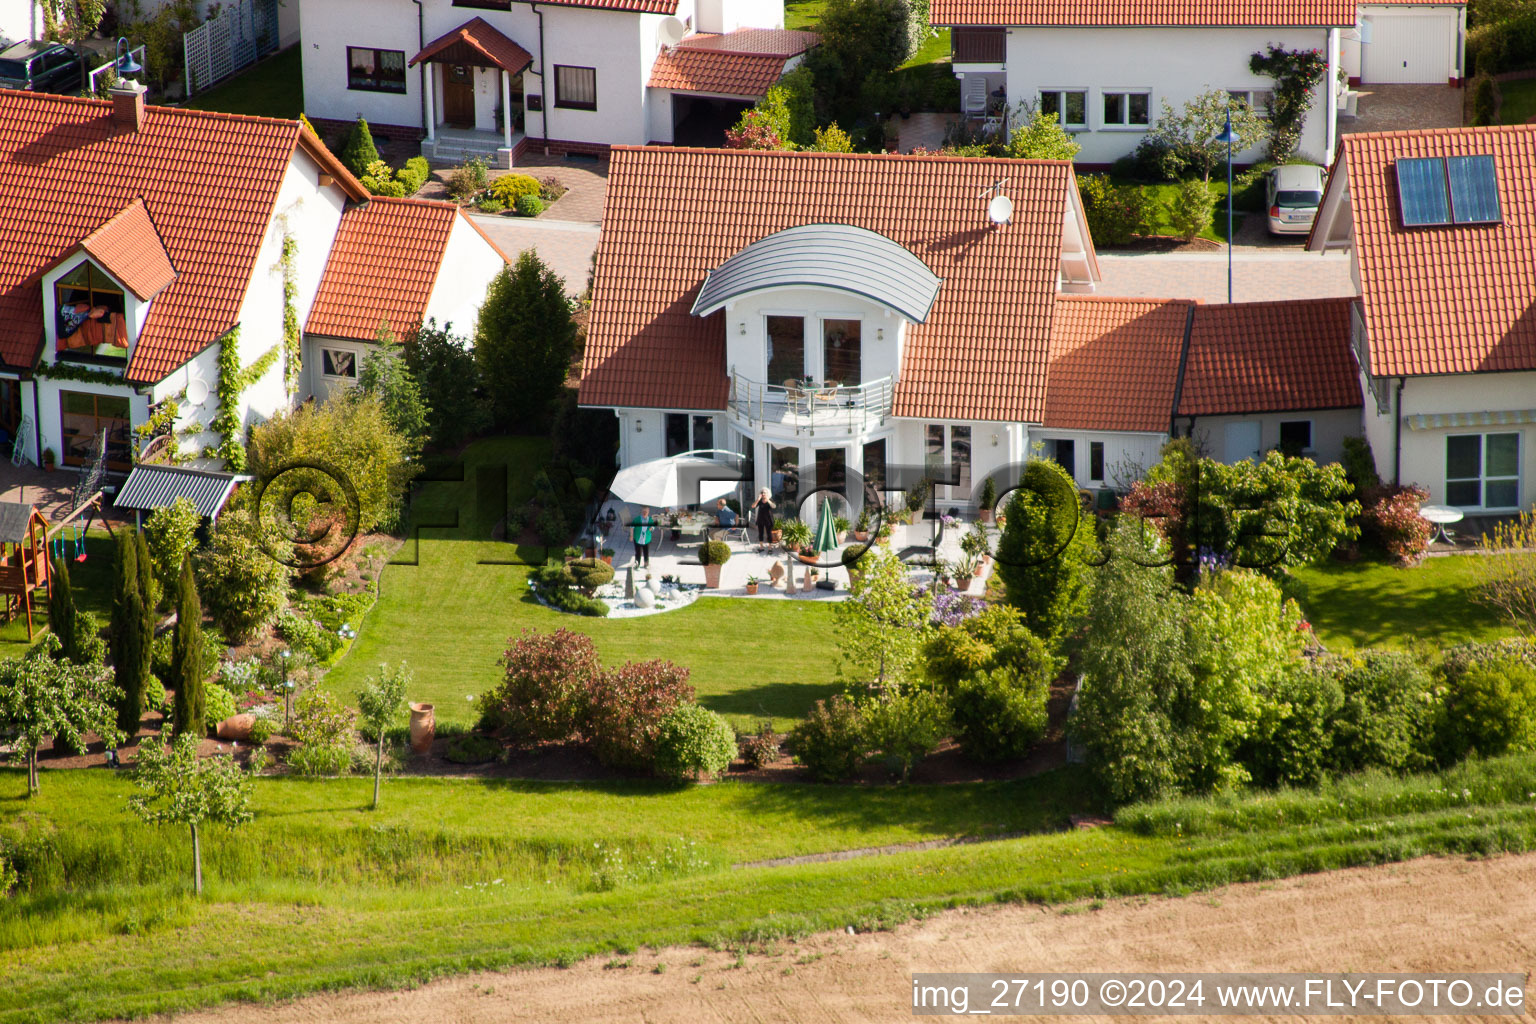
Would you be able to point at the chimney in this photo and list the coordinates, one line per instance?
(128, 105)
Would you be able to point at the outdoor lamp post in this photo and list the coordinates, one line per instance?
(287, 691)
(1227, 137)
(126, 65)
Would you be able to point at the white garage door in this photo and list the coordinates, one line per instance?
(1408, 48)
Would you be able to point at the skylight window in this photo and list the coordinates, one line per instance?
(1448, 190)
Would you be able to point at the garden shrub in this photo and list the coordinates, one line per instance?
(262, 730)
(381, 181)
(715, 552)
(999, 714)
(693, 741)
(1504, 45)
(1192, 209)
(831, 742)
(171, 534)
(324, 728)
(1390, 520)
(1388, 714)
(242, 585)
(625, 709)
(414, 174)
(1155, 160)
(359, 152)
(468, 749)
(590, 573)
(1458, 660)
(906, 727)
(218, 704)
(543, 693)
(1291, 742)
(1490, 709)
(489, 205)
(1359, 464)
(529, 206)
(1115, 213)
(509, 188)
(554, 583)
(761, 748)
(468, 179)
(1484, 98)
(304, 634)
(1042, 558)
(551, 188)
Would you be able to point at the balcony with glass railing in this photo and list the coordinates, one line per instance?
(804, 408)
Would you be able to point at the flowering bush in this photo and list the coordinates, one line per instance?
(324, 728)
(1391, 518)
(543, 695)
(625, 709)
(755, 130)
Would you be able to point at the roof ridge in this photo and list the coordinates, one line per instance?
(414, 201)
(45, 98)
(1468, 129)
(1091, 297)
(807, 154)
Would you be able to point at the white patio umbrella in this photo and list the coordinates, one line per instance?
(675, 481)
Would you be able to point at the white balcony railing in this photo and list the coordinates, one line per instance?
(807, 408)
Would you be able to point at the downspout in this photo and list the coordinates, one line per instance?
(37, 421)
(421, 44)
(544, 100)
(1397, 436)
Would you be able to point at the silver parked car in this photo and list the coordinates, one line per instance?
(1292, 194)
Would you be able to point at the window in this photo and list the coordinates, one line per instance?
(575, 87)
(1096, 461)
(784, 478)
(84, 417)
(92, 315)
(338, 362)
(786, 349)
(874, 470)
(371, 70)
(1482, 470)
(1295, 436)
(485, 5)
(1064, 453)
(832, 470)
(704, 432)
(840, 351)
(679, 439)
(1258, 99)
(949, 464)
(1127, 109)
(1069, 105)
(960, 461)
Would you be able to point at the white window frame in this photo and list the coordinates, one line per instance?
(1247, 95)
(1125, 102)
(1311, 445)
(325, 351)
(1061, 92)
(1103, 462)
(1483, 479)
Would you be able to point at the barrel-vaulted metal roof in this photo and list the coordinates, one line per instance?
(838, 256)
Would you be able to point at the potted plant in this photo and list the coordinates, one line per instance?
(752, 582)
(714, 554)
(572, 553)
(608, 554)
(853, 561)
(840, 526)
(988, 500)
(884, 536)
(796, 533)
(861, 525)
(966, 570)
(48, 460)
(974, 545)
(589, 547)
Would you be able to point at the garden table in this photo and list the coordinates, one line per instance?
(1442, 516)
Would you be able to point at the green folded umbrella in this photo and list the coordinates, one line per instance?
(826, 528)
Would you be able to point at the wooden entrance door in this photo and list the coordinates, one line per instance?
(458, 96)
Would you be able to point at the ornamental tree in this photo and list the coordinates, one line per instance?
(177, 788)
(443, 366)
(1041, 138)
(882, 626)
(43, 696)
(170, 533)
(1043, 555)
(242, 574)
(381, 704)
(131, 633)
(386, 375)
(187, 659)
(1191, 132)
(525, 341)
(76, 20)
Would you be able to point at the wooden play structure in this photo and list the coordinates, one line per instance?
(24, 536)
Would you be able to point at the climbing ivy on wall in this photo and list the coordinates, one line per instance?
(232, 383)
(74, 371)
(291, 341)
(1296, 73)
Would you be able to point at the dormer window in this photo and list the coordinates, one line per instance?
(92, 315)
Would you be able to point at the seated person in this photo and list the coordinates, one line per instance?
(725, 516)
(74, 318)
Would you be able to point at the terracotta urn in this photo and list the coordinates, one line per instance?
(236, 727)
(751, 589)
(964, 582)
(712, 577)
(423, 728)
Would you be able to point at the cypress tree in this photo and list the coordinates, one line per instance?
(359, 150)
(127, 639)
(187, 658)
(61, 612)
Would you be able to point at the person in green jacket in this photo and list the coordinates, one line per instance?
(641, 530)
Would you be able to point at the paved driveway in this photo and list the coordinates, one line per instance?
(566, 246)
(1257, 275)
(1391, 108)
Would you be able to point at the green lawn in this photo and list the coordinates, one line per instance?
(1519, 101)
(1160, 202)
(272, 88)
(453, 875)
(1368, 604)
(449, 617)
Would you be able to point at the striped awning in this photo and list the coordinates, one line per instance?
(152, 487)
(1441, 420)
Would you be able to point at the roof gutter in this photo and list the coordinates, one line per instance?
(1397, 435)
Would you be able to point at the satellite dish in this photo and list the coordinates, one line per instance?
(670, 32)
(1000, 209)
(197, 392)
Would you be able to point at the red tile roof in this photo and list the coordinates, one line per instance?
(476, 38)
(729, 74)
(129, 248)
(779, 42)
(672, 215)
(1283, 356)
(1115, 362)
(1451, 299)
(208, 182)
(631, 6)
(1134, 13)
(382, 267)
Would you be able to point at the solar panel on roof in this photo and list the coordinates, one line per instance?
(1421, 193)
(1474, 189)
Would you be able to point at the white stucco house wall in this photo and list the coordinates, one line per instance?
(118, 297)
(576, 75)
(20, 20)
(1440, 226)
